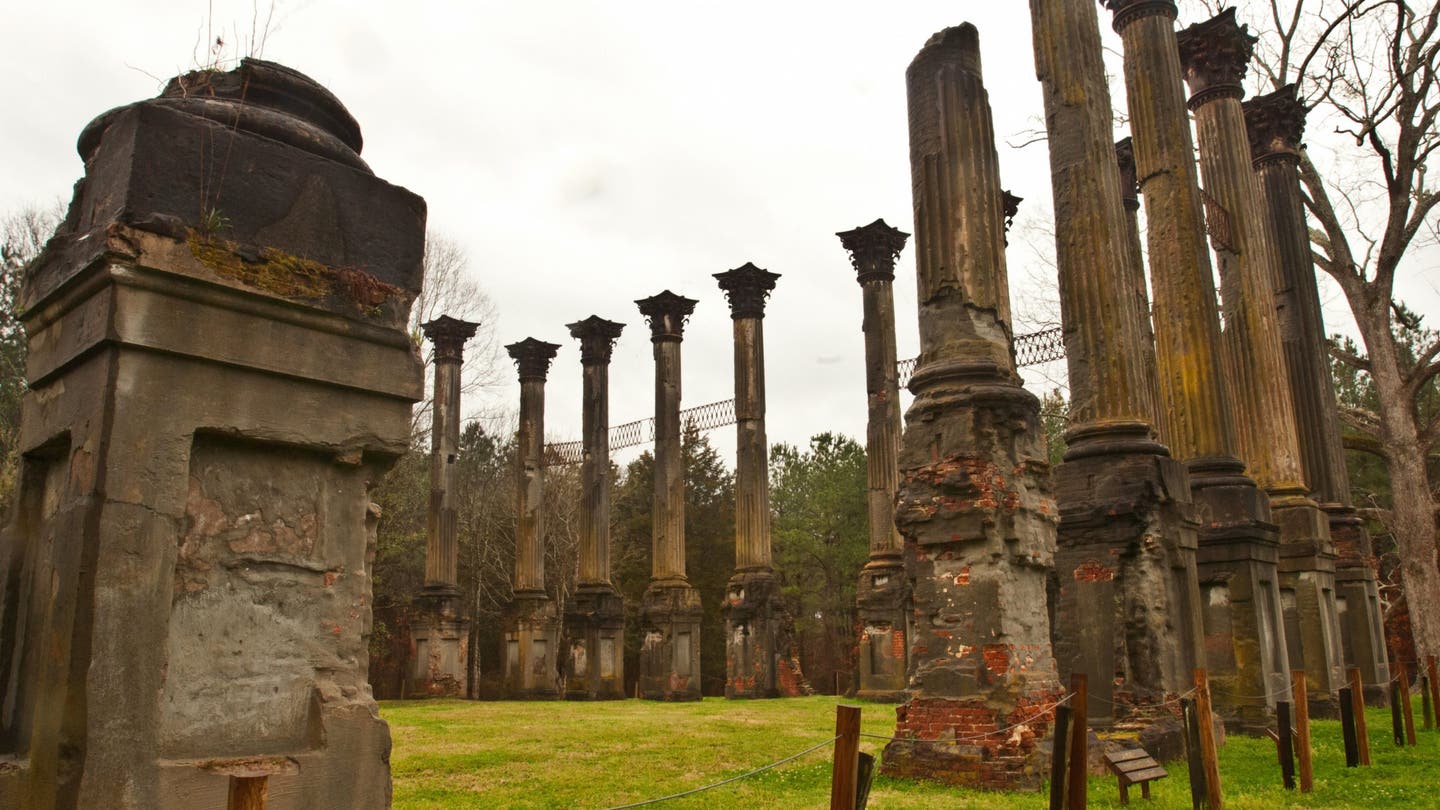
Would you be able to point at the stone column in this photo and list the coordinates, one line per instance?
(532, 628)
(754, 615)
(1240, 602)
(1130, 199)
(881, 596)
(670, 610)
(1215, 54)
(185, 586)
(1275, 123)
(974, 504)
(595, 615)
(442, 636)
(1128, 607)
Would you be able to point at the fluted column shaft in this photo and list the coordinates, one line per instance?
(752, 468)
(533, 359)
(668, 513)
(441, 546)
(597, 339)
(1105, 344)
(1186, 323)
(1130, 197)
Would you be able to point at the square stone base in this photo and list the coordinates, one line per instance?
(532, 640)
(670, 642)
(595, 631)
(881, 608)
(442, 655)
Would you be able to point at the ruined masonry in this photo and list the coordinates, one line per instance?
(1127, 613)
(670, 609)
(1215, 54)
(442, 633)
(974, 504)
(1275, 123)
(595, 615)
(532, 626)
(882, 595)
(186, 584)
(757, 651)
(1236, 561)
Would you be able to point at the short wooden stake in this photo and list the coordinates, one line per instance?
(1285, 744)
(1397, 725)
(1434, 681)
(1347, 728)
(247, 793)
(865, 778)
(1426, 707)
(843, 774)
(1406, 710)
(1357, 703)
(1060, 758)
(1208, 756)
(1302, 730)
(1192, 754)
(1079, 742)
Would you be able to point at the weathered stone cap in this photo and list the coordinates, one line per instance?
(959, 44)
(259, 97)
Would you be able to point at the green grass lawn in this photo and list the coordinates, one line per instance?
(451, 754)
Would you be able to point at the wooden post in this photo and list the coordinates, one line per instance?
(1357, 703)
(1347, 728)
(1406, 710)
(1426, 707)
(1434, 690)
(1196, 766)
(1302, 730)
(847, 758)
(1397, 725)
(1079, 741)
(1208, 755)
(247, 793)
(1285, 744)
(1060, 758)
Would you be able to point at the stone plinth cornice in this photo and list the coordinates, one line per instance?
(667, 314)
(597, 338)
(1275, 123)
(1128, 11)
(532, 357)
(746, 288)
(449, 336)
(1214, 55)
(873, 250)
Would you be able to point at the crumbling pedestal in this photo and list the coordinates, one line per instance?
(219, 370)
(882, 598)
(974, 504)
(670, 609)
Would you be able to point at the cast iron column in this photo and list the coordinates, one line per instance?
(1215, 54)
(595, 615)
(442, 636)
(670, 612)
(881, 596)
(1126, 557)
(1276, 123)
(532, 630)
(753, 611)
(974, 504)
(1236, 561)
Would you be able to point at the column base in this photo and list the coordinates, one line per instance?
(759, 660)
(670, 642)
(532, 639)
(946, 740)
(1357, 596)
(442, 647)
(882, 600)
(1128, 611)
(595, 644)
(1307, 597)
(1238, 567)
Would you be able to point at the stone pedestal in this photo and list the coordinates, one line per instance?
(974, 504)
(532, 625)
(670, 609)
(1357, 600)
(1127, 612)
(186, 582)
(881, 596)
(441, 645)
(595, 616)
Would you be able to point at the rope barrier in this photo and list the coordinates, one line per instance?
(971, 738)
(724, 782)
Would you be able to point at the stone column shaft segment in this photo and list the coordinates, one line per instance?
(881, 594)
(1130, 197)
(974, 504)
(532, 358)
(441, 552)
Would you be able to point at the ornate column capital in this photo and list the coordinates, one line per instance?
(1214, 55)
(873, 250)
(532, 357)
(746, 288)
(1010, 204)
(1128, 11)
(1275, 123)
(1129, 180)
(597, 338)
(449, 336)
(667, 314)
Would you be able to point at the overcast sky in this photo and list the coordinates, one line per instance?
(586, 154)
